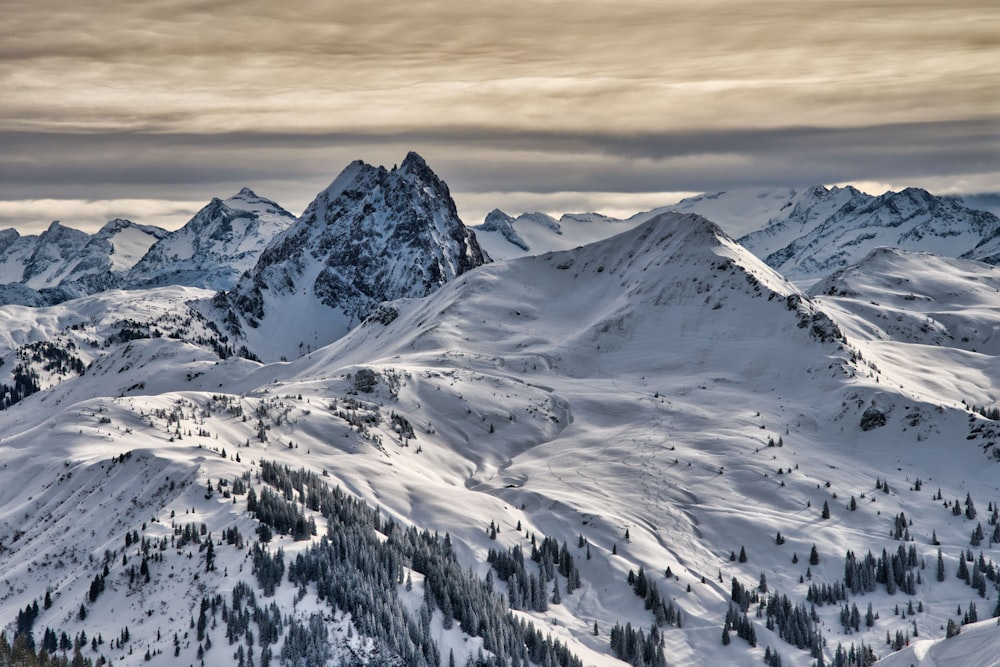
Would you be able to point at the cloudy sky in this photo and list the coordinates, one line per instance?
(148, 109)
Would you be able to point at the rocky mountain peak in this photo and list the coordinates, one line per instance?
(372, 235)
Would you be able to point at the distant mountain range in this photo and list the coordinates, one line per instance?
(211, 251)
(804, 234)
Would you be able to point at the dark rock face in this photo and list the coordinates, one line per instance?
(374, 235)
(365, 380)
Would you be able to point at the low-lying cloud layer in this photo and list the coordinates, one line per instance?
(185, 100)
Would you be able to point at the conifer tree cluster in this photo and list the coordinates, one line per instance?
(664, 612)
(794, 623)
(895, 570)
(636, 647)
(22, 653)
(361, 563)
(860, 656)
(25, 382)
(740, 623)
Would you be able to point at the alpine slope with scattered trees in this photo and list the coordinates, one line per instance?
(648, 450)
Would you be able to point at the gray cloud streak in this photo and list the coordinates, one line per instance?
(187, 99)
(499, 160)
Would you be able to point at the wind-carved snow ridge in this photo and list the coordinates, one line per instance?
(373, 235)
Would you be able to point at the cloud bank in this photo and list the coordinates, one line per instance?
(184, 100)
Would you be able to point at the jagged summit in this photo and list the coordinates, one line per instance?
(57, 248)
(415, 165)
(116, 225)
(372, 235)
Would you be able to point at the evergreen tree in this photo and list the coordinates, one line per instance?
(963, 570)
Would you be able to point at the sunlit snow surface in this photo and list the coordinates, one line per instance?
(633, 384)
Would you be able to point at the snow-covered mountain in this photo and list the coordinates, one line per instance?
(506, 237)
(920, 298)
(805, 234)
(54, 254)
(212, 250)
(811, 233)
(15, 250)
(373, 235)
(655, 433)
(63, 263)
(661, 399)
(220, 243)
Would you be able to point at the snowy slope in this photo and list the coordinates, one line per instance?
(659, 399)
(641, 383)
(921, 298)
(978, 644)
(371, 236)
(220, 243)
(14, 253)
(129, 242)
(742, 211)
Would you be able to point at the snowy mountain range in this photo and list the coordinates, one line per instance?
(648, 449)
(63, 263)
(212, 250)
(804, 234)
